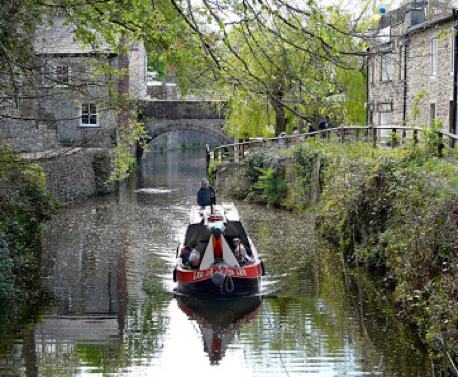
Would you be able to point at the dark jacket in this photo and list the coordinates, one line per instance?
(206, 197)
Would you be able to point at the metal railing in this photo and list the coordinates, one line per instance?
(399, 135)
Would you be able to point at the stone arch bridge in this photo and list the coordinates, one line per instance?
(164, 116)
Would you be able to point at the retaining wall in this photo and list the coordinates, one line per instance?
(75, 173)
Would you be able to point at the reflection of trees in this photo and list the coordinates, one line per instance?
(320, 307)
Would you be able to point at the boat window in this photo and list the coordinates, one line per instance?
(235, 229)
(199, 234)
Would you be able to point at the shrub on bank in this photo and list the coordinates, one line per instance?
(395, 211)
(24, 205)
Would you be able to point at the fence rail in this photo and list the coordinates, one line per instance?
(236, 152)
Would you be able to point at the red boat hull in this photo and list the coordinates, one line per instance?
(239, 281)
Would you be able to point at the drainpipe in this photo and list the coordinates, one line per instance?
(367, 87)
(452, 127)
(404, 109)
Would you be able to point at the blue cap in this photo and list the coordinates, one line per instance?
(204, 181)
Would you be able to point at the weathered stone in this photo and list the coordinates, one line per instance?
(229, 179)
(409, 49)
(75, 173)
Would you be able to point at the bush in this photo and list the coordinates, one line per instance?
(397, 213)
(24, 206)
(393, 211)
(271, 185)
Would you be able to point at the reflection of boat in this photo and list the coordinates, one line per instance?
(219, 321)
(212, 231)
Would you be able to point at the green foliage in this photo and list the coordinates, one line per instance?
(272, 186)
(24, 205)
(212, 169)
(415, 109)
(275, 85)
(397, 213)
(124, 159)
(393, 211)
(433, 139)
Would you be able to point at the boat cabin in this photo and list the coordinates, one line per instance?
(212, 231)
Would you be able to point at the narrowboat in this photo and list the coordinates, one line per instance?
(214, 232)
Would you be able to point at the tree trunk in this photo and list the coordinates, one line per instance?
(123, 85)
(280, 119)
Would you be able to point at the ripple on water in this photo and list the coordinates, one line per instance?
(109, 263)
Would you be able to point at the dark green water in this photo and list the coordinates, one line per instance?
(107, 264)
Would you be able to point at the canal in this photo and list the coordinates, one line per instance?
(107, 266)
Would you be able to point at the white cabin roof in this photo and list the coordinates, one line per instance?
(227, 210)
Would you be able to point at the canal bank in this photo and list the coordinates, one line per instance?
(32, 187)
(392, 212)
(107, 264)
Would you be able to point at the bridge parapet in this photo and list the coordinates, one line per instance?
(158, 109)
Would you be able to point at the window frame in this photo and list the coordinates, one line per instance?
(58, 75)
(387, 67)
(434, 56)
(89, 114)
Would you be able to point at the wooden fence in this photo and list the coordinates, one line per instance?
(398, 136)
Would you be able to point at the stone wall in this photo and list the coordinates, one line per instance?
(182, 139)
(182, 109)
(413, 71)
(75, 173)
(183, 130)
(227, 178)
(438, 89)
(385, 92)
(27, 136)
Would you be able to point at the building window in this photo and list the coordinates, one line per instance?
(59, 75)
(89, 115)
(47, 75)
(434, 56)
(385, 118)
(385, 111)
(387, 68)
(432, 114)
(62, 75)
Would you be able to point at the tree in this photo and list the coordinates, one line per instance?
(291, 64)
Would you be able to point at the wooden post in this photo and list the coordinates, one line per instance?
(415, 137)
(328, 135)
(374, 137)
(441, 146)
(393, 137)
(357, 134)
(207, 157)
(342, 135)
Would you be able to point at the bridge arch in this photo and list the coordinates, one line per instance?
(213, 128)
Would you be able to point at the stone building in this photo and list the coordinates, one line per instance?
(411, 67)
(71, 103)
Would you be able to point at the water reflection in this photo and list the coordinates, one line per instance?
(219, 321)
(108, 265)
